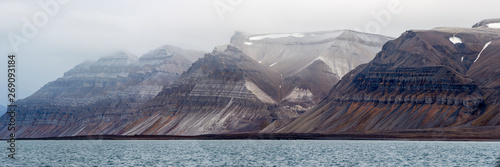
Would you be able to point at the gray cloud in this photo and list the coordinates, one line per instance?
(86, 30)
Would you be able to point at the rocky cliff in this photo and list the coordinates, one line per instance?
(99, 97)
(439, 78)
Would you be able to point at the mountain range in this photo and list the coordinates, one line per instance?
(436, 80)
(444, 81)
(97, 97)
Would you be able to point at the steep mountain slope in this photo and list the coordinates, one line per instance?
(98, 97)
(445, 77)
(224, 92)
(486, 74)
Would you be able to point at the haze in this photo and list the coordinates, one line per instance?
(86, 30)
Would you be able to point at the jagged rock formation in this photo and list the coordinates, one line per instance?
(445, 77)
(99, 97)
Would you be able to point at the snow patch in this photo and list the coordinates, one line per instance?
(273, 64)
(261, 95)
(274, 36)
(462, 58)
(493, 25)
(248, 43)
(486, 45)
(455, 40)
(260, 62)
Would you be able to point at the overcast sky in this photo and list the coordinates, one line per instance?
(77, 30)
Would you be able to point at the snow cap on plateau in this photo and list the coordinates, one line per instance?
(274, 36)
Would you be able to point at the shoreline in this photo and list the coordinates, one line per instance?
(268, 136)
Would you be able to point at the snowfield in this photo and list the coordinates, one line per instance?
(455, 40)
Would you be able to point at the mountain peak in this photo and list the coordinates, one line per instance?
(117, 58)
(226, 48)
(172, 51)
(361, 37)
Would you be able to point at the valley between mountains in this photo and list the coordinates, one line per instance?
(441, 83)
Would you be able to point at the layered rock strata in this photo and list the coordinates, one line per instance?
(98, 97)
(440, 78)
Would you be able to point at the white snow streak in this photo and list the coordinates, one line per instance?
(486, 45)
(248, 43)
(273, 64)
(493, 25)
(274, 36)
(462, 58)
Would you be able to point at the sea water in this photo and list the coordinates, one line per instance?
(251, 153)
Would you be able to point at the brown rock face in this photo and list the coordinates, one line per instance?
(486, 74)
(444, 77)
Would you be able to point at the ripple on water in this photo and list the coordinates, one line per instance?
(254, 153)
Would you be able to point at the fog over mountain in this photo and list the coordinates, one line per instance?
(66, 33)
(225, 91)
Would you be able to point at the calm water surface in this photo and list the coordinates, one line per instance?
(252, 153)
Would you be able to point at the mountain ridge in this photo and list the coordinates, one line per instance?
(97, 97)
(423, 79)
